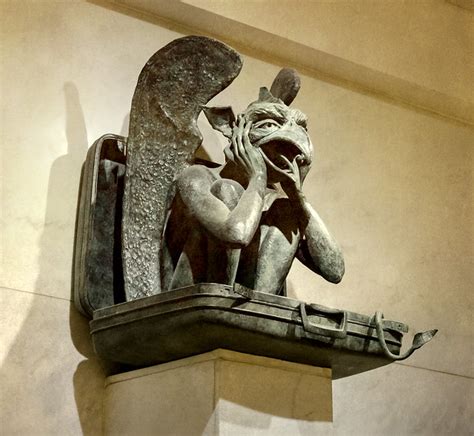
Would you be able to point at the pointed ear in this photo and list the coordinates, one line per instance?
(266, 96)
(221, 119)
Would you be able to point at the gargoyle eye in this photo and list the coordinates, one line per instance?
(267, 124)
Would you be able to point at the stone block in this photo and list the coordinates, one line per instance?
(216, 393)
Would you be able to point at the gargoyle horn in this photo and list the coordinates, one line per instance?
(286, 85)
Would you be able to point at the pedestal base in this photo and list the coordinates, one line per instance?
(217, 393)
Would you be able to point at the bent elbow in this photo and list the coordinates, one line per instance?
(334, 272)
(237, 236)
(336, 278)
(237, 241)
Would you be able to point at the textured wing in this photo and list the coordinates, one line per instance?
(163, 136)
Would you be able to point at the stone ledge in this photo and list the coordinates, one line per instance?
(220, 392)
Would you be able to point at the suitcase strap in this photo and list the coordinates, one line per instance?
(306, 310)
(419, 340)
(340, 316)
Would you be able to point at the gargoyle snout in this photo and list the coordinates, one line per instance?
(293, 135)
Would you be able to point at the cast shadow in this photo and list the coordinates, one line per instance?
(90, 374)
(53, 259)
(88, 379)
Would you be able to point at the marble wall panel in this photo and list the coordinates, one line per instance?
(403, 400)
(393, 401)
(58, 97)
(51, 382)
(373, 34)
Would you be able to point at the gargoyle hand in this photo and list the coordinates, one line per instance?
(244, 153)
(294, 184)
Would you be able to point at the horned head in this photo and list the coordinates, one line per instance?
(278, 130)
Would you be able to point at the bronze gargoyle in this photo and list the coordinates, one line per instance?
(176, 256)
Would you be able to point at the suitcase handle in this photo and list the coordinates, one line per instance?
(338, 333)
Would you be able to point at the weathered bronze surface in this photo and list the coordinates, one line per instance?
(231, 224)
(171, 91)
(98, 277)
(198, 253)
(204, 317)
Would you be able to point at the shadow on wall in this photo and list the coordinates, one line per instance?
(88, 379)
(38, 365)
(89, 376)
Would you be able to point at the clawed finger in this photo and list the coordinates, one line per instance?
(235, 135)
(229, 154)
(288, 163)
(248, 145)
(239, 137)
(294, 175)
(239, 150)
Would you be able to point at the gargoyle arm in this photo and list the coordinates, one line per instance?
(237, 226)
(318, 250)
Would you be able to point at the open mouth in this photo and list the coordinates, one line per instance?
(281, 155)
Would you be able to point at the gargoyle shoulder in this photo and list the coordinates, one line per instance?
(193, 178)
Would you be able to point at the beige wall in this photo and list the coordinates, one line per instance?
(393, 184)
(420, 52)
(428, 42)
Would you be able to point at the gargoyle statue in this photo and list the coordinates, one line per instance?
(198, 253)
(229, 224)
